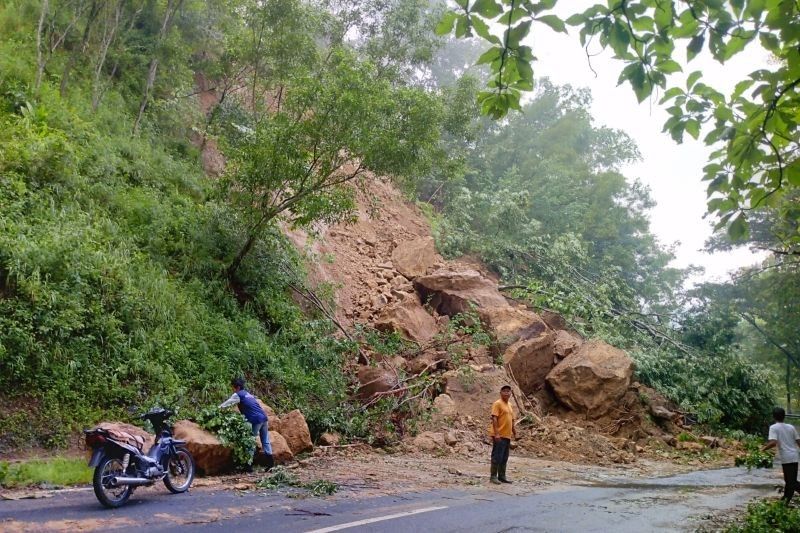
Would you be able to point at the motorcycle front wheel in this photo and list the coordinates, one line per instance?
(180, 471)
(109, 495)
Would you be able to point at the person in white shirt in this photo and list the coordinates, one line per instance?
(785, 437)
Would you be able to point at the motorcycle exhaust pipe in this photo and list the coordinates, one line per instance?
(132, 481)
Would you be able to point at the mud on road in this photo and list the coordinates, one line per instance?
(647, 494)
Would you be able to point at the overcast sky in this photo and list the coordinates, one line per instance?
(672, 171)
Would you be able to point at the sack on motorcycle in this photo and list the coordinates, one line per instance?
(119, 435)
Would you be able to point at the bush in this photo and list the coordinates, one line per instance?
(769, 516)
(754, 457)
(112, 295)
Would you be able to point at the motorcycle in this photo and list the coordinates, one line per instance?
(120, 464)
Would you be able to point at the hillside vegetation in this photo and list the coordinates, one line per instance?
(130, 277)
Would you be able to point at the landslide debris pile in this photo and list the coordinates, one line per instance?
(388, 276)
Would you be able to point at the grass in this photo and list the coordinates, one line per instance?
(58, 471)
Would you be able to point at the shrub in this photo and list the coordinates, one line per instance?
(769, 516)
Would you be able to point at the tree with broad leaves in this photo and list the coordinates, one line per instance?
(337, 122)
(753, 131)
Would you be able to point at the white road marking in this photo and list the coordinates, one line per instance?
(378, 519)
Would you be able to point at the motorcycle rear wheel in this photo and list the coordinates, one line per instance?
(180, 471)
(108, 495)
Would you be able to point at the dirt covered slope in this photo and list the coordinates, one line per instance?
(577, 398)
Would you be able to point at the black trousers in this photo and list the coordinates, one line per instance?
(501, 447)
(790, 478)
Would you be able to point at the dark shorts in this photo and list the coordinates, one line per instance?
(500, 449)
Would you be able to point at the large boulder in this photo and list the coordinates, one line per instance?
(408, 318)
(472, 394)
(429, 441)
(452, 292)
(457, 291)
(565, 343)
(295, 430)
(281, 452)
(414, 258)
(330, 438)
(273, 421)
(210, 456)
(530, 361)
(426, 362)
(508, 324)
(592, 379)
(444, 407)
(374, 380)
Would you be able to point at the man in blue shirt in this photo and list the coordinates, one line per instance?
(252, 411)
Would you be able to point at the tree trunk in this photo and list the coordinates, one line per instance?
(40, 59)
(237, 262)
(170, 10)
(151, 78)
(80, 50)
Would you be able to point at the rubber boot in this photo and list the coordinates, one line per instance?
(270, 461)
(493, 478)
(501, 471)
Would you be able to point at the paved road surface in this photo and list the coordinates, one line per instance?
(675, 503)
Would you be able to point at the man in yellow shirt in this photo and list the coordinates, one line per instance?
(502, 431)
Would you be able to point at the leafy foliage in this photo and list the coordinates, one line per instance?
(754, 457)
(768, 516)
(281, 477)
(233, 431)
(753, 130)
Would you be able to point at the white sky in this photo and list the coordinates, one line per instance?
(672, 171)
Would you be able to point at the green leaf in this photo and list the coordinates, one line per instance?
(516, 15)
(692, 127)
(664, 15)
(482, 29)
(695, 46)
(770, 41)
(736, 44)
(738, 229)
(487, 8)
(669, 66)
(671, 93)
(447, 23)
(792, 173)
(755, 8)
(643, 23)
(525, 70)
(554, 22)
(462, 3)
(517, 33)
(692, 79)
(543, 5)
(576, 20)
(490, 55)
(688, 26)
(462, 26)
(741, 87)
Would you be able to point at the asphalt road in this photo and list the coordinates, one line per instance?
(676, 503)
